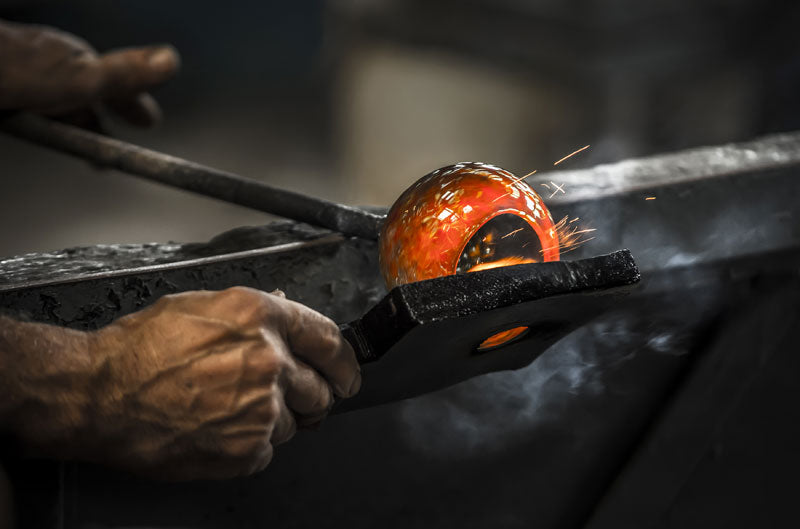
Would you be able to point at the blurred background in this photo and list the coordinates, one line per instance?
(354, 100)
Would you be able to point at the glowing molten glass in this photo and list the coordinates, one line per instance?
(509, 335)
(508, 261)
(465, 217)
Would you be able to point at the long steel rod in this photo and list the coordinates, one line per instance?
(183, 174)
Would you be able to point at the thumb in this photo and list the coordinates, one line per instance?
(135, 70)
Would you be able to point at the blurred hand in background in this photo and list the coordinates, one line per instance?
(48, 71)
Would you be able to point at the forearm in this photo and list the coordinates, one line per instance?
(45, 380)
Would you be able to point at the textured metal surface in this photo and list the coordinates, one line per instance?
(312, 272)
(63, 265)
(191, 176)
(683, 168)
(416, 324)
(543, 444)
(708, 203)
(425, 335)
(538, 445)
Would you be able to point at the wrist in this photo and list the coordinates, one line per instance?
(47, 373)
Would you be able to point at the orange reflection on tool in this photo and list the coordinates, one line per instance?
(501, 338)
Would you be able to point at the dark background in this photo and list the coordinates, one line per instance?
(353, 101)
(690, 386)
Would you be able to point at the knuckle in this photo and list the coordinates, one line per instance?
(66, 40)
(330, 339)
(236, 291)
(261, 461)
(325, 398)
(290, 432)
(170, 299)
(239, 295)
(83, 81)
(252, 305)
(271, 411)
(285, 434)
(250, 295)
(266, 367)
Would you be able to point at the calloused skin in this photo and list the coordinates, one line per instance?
(201, 385)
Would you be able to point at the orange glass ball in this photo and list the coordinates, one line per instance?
(464, 217)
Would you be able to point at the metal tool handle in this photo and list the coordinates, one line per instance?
(183, 174)
(361, 346)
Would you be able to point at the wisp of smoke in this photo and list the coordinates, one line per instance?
(486, 413)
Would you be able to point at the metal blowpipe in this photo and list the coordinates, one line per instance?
(183, 174)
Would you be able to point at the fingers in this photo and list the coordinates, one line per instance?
(312, 337)
(285, 425)
(306, 392)
(135, 70)
(317, 340)
(140, 110)
(52, 72)
(121, 79)
(261, 461)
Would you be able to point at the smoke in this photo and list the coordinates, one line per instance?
(484, 414)
(677, 240)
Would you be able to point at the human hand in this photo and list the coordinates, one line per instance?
(52, 72)
(203, 385)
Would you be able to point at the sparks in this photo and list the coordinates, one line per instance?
(650, 198)
(559, 189)
(570, 237)
(517, 180)
(571, 154)
(512, 233)
(545, 185)
(426, 234)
